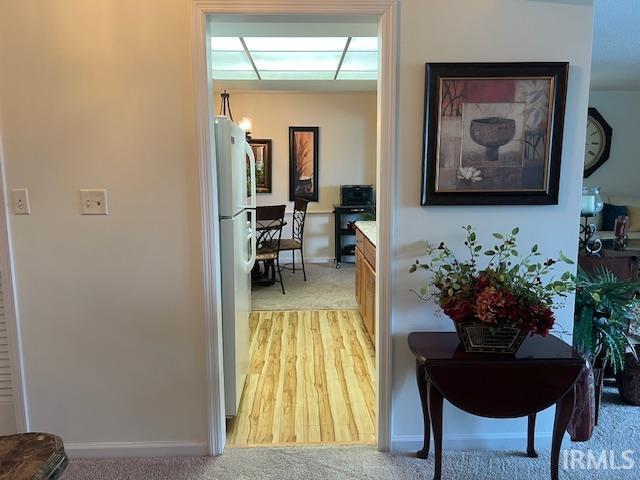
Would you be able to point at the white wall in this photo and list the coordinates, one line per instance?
(347, 149)
(491, 30)
(100, 94)
(621, 109)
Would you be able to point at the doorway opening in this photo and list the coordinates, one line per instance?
(299, 346)
(385, 12)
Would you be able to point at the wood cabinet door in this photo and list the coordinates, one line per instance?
(359, 240)
(370, 253)
(359, 283)
(369, 300)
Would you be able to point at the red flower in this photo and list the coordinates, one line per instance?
(483, 282)
(489, 304)
(457, 309)
(543, 319)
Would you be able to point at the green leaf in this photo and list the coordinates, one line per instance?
(514, 253)
(489, 252)
(534, 249)
(413, 268)
(565, 259)
(499, 236)
(477, 248)
(473, 236)
(515, 231)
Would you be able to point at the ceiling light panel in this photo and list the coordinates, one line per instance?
(297, 75)
(296, 61)
(227, 44)
(294, 58)
(234, 75)
(230, 61)
(357, 75)
(367, 61)
(363, 44)
(295, 44)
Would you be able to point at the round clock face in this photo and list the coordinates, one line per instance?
(595, 144)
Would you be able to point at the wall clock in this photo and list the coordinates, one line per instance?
(598, 143)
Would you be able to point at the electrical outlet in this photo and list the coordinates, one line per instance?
(93, 202)
(21, 205)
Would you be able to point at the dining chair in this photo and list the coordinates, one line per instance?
(269, 223)
(297, 233)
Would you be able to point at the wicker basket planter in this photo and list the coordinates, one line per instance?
(481, 338)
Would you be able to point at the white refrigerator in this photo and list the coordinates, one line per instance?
(237, 203)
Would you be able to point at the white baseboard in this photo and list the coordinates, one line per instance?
(136, 449)
(472, 441)
(318, 260)
(286, 257)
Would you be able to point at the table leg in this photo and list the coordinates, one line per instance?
(337, 220)
(531, 437)
(421, 377)
(564, 410)
(435, 411)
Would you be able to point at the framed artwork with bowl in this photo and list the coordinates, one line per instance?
(493, 133)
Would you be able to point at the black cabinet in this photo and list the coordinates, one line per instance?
(345, 240)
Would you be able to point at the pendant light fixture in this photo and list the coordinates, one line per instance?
(225, 106)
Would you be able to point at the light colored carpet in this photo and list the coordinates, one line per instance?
(326, 288)
(618, 431)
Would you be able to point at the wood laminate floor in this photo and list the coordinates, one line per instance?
(310, 380)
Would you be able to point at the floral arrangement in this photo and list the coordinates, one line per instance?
(513, 290)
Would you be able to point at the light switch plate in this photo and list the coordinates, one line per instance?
(93, 201)
(20, 199)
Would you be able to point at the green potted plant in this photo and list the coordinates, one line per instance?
(604, 306)
(495, 305)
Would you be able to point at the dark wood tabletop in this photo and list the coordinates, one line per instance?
(542, 373)
(445, 347)
(624, 264)
(29, 456)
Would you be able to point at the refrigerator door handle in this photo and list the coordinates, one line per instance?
(252, 206)
(252, 170)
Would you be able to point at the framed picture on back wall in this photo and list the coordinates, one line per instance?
(303, 163)
(493, 133)
(262, 153)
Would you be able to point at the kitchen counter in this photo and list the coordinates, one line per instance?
(368, 228)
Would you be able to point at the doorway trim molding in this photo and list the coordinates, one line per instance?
(20, 400)
(387, 13)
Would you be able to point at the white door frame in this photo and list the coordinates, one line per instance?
(387, 12)
(20, 405)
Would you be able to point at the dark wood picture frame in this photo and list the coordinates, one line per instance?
(303, 171)
(264, 184)
(556, 72)
(608, 133)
